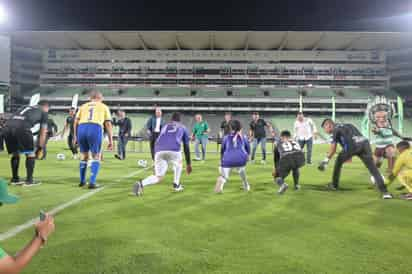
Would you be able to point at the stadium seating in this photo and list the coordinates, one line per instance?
(350, 93)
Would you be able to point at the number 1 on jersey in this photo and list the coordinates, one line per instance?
(91, 111)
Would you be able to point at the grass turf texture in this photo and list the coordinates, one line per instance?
(309, 231)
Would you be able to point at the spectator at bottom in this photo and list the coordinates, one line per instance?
(15, 264)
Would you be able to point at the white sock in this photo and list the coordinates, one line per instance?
(177, 169)
(242, 173)
(151, 180)
(222, 182)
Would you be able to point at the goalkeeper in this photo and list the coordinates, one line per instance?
(353, 144)
(403, 168)
(23, 130)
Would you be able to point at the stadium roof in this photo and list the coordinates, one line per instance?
(205, 40)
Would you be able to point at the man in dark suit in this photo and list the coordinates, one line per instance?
(154, 126)
(125, 129)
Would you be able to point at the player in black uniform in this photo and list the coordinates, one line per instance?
(288, 156)
(23, 130)
(69, 125)
(353, 144)
(52, 129)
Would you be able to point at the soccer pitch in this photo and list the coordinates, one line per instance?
(197, 231)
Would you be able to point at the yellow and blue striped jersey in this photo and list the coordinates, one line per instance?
(94, 113)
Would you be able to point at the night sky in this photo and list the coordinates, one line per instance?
(351, 15)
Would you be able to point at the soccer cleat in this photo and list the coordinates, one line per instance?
(297, 187)
(94, 186)
(32, 183)
(263, 162)
(197, 159)
(407, 196)
(283, 188)
(82, 184)
(387, 196)
(138, 188)
(117, 157)
(331, 187)
(246, 187)
(16, 182)
(178, 187)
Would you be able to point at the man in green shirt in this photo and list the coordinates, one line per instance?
(15, 264)
(199, 135)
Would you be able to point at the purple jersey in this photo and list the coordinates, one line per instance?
(235, 151)
(171, 137)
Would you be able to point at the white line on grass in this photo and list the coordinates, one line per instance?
(16, 230)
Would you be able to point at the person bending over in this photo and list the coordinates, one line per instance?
(234, 153)
(353, 144)
(88, 132)
(403, 168)
(288, 156)
(168, 152)
(27, 127)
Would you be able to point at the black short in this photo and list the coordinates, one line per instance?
(18, 139)
(290, 162)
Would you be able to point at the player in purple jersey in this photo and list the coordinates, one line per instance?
(235, 152)
(168, 152)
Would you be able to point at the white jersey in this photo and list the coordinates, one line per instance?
(304, 130)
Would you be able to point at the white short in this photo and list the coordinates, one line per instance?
(164, 158)
(225, 171)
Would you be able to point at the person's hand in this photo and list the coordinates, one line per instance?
(39, 153)
(322, 165)
(45, 228)
(188, 169)
(126, 135)
(74, 141)
(274, 173)
(374, 130)
(110, 146)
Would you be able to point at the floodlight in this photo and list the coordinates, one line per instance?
(3, 14)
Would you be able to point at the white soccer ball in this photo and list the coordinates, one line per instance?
(142, 163)
(373, 182)
(61, 157)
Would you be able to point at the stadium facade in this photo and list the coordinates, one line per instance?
(213, 71)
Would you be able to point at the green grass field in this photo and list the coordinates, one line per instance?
(196, 231)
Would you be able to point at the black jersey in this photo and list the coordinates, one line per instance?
(225, 127)
(258, 128)
(70, 123)
(29, 117)
(348, 136)
(287, 147)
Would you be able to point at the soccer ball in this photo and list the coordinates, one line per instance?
(373, 182)
(142, 163)
(61, 157)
